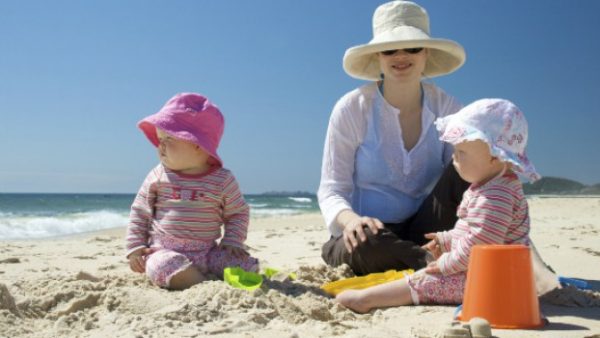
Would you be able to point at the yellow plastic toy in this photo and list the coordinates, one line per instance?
(363, 282)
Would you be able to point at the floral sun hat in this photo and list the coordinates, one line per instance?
(497, 122)
(190, 117)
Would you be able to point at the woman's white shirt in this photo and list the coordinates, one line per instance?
(366, 167)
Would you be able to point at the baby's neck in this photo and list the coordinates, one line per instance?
(497, 172)
(199, 170)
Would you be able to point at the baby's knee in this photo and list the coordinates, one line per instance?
(162, 265)
(219, 259)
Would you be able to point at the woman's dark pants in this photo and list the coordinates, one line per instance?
(398, 246)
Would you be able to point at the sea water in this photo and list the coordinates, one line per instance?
(29, 216)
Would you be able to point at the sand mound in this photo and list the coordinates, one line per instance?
(7, 302)
(129, 303)
(572, 297)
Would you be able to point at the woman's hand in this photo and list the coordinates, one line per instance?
(137, 259)
(354, 228)
(433, 245)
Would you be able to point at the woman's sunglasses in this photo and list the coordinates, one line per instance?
(408, 50)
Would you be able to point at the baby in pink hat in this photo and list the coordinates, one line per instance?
(489, 138)
(177, 215)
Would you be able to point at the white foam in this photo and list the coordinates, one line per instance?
(301, 199)
(27, 227)
(257, 205)
(273, 212)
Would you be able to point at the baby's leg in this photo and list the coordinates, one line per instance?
(394, 293)
(173, 270)
(219, 259)
(186, 278)
(436, 288)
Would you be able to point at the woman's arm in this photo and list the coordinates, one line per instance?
(344, 135)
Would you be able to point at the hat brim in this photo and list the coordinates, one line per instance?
(149, 125)
(445, 56)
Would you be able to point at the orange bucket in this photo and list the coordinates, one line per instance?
(500, 287)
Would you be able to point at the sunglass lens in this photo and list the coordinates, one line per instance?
(407, 50)
(389, 52)
(413, 50)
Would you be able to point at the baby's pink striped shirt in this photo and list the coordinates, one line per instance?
(188, 206)
(493, 213)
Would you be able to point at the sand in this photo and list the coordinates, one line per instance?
(81, 286)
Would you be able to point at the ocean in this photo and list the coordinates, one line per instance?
(30, 216)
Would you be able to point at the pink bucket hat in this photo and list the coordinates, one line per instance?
(190, 117)
(497, 122)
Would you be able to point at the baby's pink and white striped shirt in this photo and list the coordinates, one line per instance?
(188, 206)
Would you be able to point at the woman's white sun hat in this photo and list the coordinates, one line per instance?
(399, 25)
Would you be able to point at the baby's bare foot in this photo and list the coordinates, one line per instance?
(353, 300)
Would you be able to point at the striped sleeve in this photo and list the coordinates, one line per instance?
(236, 214)
(488, 217)
(142, 210)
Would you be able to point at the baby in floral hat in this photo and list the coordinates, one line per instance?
(489, 138)
(177, 215)
(495, 123)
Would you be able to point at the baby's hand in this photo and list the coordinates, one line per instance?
(433, 268)
(433, 246)
(137, 259)
(234, 251)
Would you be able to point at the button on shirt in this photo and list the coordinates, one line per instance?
(366, 167)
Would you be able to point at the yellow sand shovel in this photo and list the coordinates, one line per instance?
(356, 283)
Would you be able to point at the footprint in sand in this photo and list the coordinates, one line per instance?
(101, 239)
(588, 250)
(12, 260)
(82, 275)
(84, 257)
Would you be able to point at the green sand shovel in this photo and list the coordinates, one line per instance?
(242, 279)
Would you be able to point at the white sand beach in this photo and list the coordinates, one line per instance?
(81, 286)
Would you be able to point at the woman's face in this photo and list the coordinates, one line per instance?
(404, 64)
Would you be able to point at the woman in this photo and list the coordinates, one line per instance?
(385, 179)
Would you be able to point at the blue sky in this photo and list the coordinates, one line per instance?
(76, 76)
